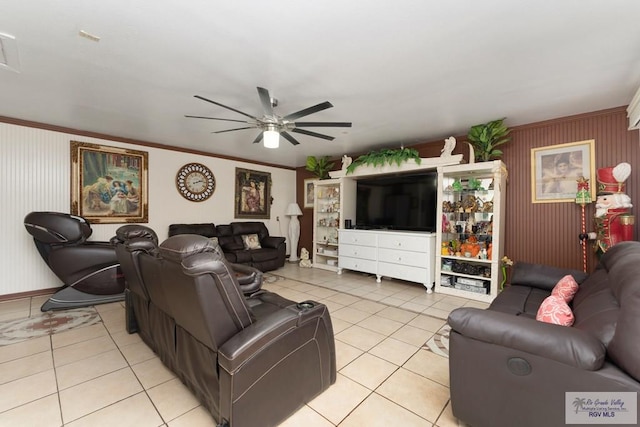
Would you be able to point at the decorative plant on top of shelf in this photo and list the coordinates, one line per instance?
(320, 167)
(384, 156)
(486, 137)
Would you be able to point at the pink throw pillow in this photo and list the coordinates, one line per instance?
(555, 310)
(566, 288)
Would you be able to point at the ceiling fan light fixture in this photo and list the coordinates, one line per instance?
(271, 137)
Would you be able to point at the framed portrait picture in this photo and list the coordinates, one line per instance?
(555, 171)
(309, 192)
(253, 194)
(109, 184)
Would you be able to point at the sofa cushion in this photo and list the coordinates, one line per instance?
(262, 255)
(203, 229)
(554, 309)
(250, 227)
(541, 276)
(622, 262)
(251, 241)
(595, 307)
(520, 301)
(566, 288)
(181, 246)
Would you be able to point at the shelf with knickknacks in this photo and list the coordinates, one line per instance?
(470, 202)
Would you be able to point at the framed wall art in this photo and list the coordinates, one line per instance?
(555, 170)
(309, 192)
(252, 194)
(109, 184)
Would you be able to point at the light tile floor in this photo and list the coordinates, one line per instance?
(96, 374)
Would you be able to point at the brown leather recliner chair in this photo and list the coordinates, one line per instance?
(131, 242)
(89, 270)
(251, 360)
(508, 369)
(134, 242)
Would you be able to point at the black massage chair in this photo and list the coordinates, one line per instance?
(90, 271)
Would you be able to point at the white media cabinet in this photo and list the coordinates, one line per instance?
(404, 255)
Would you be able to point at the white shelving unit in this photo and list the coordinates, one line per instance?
(470, 229)
(334, 202)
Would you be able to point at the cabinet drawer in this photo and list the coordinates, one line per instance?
(364, 265)
(408, 243)
(404, 272)
(394, 256)
(357, 251)
(357, 238)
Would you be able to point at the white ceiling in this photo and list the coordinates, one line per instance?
(403, 72)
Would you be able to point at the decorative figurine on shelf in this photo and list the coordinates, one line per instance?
(457, 185)
(449, 145)
(613, 220)
(304, 258)
(445, 248)
(346, 162)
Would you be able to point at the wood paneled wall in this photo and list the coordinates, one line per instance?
(542, 232)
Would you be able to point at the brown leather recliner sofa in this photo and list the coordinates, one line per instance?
(508, 369)
(270, 256)
(250, 360)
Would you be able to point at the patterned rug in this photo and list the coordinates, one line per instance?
(47, 323)
(439, 343)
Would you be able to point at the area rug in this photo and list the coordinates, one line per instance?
(271, 278)
(439, 342)
(47, 323)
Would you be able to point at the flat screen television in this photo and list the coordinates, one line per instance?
(397, 202)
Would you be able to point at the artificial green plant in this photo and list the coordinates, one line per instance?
(485, 138)
(385, 156)
(319, 166)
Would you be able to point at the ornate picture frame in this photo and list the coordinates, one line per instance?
(109, 185)
(309, 192)
(252, 194)
(556, 168)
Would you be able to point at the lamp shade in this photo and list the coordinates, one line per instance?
(271, 138)
(293, 209)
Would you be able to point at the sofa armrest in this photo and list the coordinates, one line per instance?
(261, 335)
(272, 242)
(542, 276)
(563, 344)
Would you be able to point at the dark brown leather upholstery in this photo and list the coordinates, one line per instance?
(269, 257)
(89, 270)
(131, 242)
(251, 360)
(508, 369)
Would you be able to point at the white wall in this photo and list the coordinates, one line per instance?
(35, 176)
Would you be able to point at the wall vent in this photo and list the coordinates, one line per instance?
(9, 53)
(633, 112)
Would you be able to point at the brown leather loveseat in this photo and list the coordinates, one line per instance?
(508, 369)
(250, 360)
(269, 254)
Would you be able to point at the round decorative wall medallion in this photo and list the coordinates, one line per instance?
(195, 182)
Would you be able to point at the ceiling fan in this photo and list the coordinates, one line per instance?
(273, 125)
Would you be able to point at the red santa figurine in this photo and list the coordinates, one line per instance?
(613, 220)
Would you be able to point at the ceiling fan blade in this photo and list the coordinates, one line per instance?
(322, 124)
(309, 110)
(225, 106)
(215, 118)
(317, 135)
(258, 138)
(289, 138)
(265, 100)
(231, 130)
